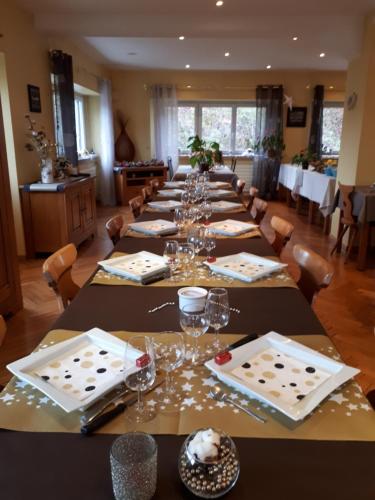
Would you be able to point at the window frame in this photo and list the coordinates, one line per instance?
(80, 124)
(331, 104)
(234, 105)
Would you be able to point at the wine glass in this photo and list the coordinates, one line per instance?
(217, 310)
(139, 375)
(185, 199)
(185, 254)
(179, 219)
(206, 208)
(196, 237)
(170, 354)
(170, 255)
(194, 322)
(209, 245)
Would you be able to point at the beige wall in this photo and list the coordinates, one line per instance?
(131, 96)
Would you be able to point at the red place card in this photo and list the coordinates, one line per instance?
(143, 361)
(223, 357)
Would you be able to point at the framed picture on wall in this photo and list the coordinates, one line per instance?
(296, 117)
(35, 105)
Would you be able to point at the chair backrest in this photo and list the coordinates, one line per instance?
(155, 184)
(316, 272)
(347, 205)
(240, 186)
(57, 271)
(233, 164)
(283, 232)
(259, 209)
(170, 167)
(113, 227)
(147, 193)
(3, 329)
(253, 193)
(135, 205)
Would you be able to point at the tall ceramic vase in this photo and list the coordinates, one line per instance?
(46, 170)
(124, 148)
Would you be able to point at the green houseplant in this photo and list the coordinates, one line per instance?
(203, 154)
(272, 144)
(304, 157)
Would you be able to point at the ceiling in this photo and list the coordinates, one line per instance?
(256, 33)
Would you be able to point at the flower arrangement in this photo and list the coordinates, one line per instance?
(272, 144)
(304, 157)
(203, 153)
(38, 141)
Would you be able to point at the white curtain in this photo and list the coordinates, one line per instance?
(165, 122)
(106, 179)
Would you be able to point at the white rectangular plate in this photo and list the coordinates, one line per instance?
(217, 193)
(223, 206)
(174, 193)
(136, 266)
(154, 227)
(245, 266)
(174, 184)
(218, 185)
(275, 388)
(65, 371)
(231, 227)
(166, 205)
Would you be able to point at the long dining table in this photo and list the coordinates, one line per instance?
(46, 464)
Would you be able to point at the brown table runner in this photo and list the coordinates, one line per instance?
(345, 415)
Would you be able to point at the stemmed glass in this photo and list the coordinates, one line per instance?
(170, 354)
(217, 310)
(185, 199)
(140, 373)
(185, 254)
(194, 322)
(209, 245)
(196, 236)
(179, 219)
(170, 255)
(206, 208)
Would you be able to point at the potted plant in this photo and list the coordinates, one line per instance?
(203, 154)
(304, 157)
(272, 144)
(44, 148)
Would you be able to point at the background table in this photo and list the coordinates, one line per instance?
(223, 174)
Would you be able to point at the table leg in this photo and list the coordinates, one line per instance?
(327, 224)
(364, 234)
(339, 230)
(288, 197)
(310, 216)
(298, 204)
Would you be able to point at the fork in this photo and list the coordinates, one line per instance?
(219, 395)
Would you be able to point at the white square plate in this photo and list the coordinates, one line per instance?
(231, 227)
(220, 193)
(223, 206)
(68, 371)
(173, 193)
(137, 266)
(166, 205)
(274, 383)
(154, 227)
(245, 266)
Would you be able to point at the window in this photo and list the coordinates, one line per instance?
(80, 124)
(332, 125)
(230, 124)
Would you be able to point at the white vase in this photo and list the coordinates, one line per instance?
(46, 171)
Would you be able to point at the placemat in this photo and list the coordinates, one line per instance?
(345, 415)
(255, 233)
(280, 279)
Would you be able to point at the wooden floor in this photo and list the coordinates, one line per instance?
(346, 308)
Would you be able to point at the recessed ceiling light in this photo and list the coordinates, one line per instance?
(331, 87)
(322, 54)
(181, 37)
(307, 87)
(269, 66)
(187, 66)
(188, 86)
(227, 54)
(219, 3)
(295, 38)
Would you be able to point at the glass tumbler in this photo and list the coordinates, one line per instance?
(133, 460)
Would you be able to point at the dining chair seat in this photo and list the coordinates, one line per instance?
(253, 193)
(57, 271)
(283, 232)
(114, 226)
(259, 209)
(316, 272)
(135, 205)
(147, 193)
(155, 185)
(347, 220)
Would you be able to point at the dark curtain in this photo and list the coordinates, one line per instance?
(63, 90)
(316, 130)
(269, 121)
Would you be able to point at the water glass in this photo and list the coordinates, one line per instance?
(196, 236)
(179, 219)
(206, 208)
(170, 255)
(194, 322)
(139, 375)
(217, 310)
(185, 255)
(209, 245)
(133, 460)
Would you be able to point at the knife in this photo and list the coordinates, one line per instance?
(98, 420)
(245, 340)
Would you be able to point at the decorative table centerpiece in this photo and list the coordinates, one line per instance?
(203, 154)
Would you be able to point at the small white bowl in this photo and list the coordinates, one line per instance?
(192, 295)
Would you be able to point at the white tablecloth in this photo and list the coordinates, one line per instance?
(311, 185)
(186, 169)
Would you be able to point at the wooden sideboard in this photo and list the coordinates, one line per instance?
(10, 288)
(129, 181)
(53, 219)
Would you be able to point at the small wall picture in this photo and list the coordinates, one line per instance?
(35, 105)
(296, 117)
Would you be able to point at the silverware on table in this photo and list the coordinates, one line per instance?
(217, 394)
(99, 406)
(158, 308)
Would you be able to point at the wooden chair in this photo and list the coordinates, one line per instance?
(347, 221)
(259, 210)
(240, 184)
(316, 272)
(147, 193)
(253, 193)
(114, 226)
(3, 329)
(233, 164)
(57, 271)
(135, 205)
(155, 185)
(283, 232)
